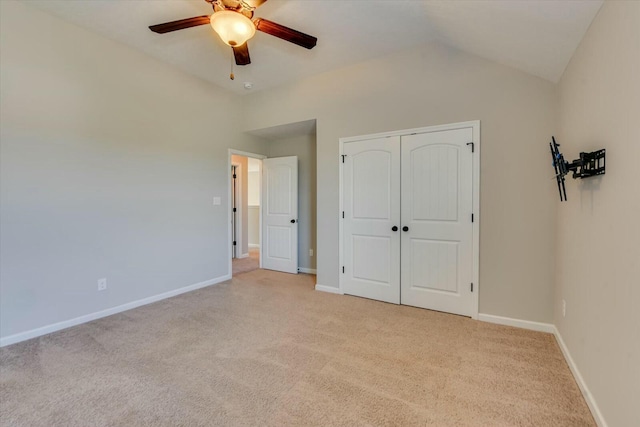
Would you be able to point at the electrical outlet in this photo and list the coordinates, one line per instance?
(564, 308)
(102, 284)
(310, 252)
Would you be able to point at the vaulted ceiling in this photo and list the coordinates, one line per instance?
(538, 37)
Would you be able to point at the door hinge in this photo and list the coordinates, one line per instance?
(234, 243)
(472, 217)
(234, 176)
(234, 210)
(471, 287)
(342, 214)
(343, 269)
(473, 146)
(343, 156)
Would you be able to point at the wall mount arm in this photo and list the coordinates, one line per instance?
(588, 165)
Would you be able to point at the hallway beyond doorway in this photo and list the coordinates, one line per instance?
(250, 263)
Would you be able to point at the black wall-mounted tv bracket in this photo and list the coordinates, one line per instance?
(588, 165)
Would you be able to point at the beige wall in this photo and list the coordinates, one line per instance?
(108, 169)
(254, 225)
(243, 204)
(598, 265)
(304, 147)
(254, 188)
(430, 86)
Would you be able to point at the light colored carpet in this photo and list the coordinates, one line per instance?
(250, 263)
(266, 349)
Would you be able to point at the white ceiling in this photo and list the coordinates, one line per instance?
(536, 36)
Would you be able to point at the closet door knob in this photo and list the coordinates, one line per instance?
(293, 221)
(394, 228)
(405, 228)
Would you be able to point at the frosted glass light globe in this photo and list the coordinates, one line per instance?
(233, 27)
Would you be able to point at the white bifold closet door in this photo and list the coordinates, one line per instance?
(423, 185)
(372, 208)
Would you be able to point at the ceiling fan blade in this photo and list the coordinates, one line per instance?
(241, 53)
(181, 24)
(285, 33)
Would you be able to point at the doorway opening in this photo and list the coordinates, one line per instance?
(286, 219)
(245, 207)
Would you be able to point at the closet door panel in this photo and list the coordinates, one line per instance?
(436, 254)
(371, 203)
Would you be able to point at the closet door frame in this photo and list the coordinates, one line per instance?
(475, 126)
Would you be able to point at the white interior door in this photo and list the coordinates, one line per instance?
(371, 203)
(280, 214)
(437, 203)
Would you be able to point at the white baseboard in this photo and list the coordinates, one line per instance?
(330, 289)
(307, 270)
(33, 333)
(588, 397)
(243, 256)
(254, 245)
(518, 323)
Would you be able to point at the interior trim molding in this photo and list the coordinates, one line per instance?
(244, 256)
(307, 270)
(230, 152)
(254, 245)
(330, 289)
(54, 327)
(518, 323)
(588, 397)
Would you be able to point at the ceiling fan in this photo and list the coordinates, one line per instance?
(232, 20)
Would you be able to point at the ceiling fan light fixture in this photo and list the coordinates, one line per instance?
(233, 28)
